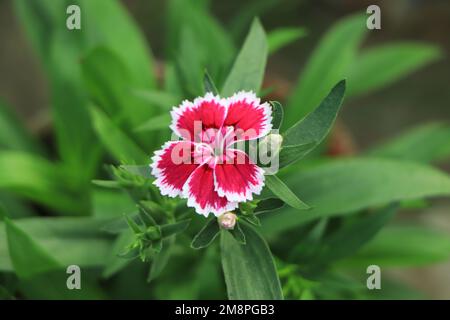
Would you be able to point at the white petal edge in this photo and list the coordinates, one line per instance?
(165, 188)
(178, 112)
(192, 203)
(250, 97)
(250, 190)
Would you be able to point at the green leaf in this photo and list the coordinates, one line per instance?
(34, 178)
(146, 217)
(118, 225)
(110, 184)
(209, 85)
(291, 154)
(268, 205)
(70, 241)
(379, 67)
(171, 229)
(13, 135)
(109, 83)
(27, 257)
(161, 122)
(160, 260)
(343, 241)
(114, 263)
(328, 64)
(425, 143)
(243, 17)
(105, 23)
(60, 52)
(249, 269)
(350, 237)
(133, 225)
(161, 99)
(142, 171)
(313, 128)
(2, 212)
(403, 245)
(5, 294)
(108, 23)
(247, 72)
(110, 203)
(117, 142)
(238, 234)
(214, 44)
(277, 114)
(283, 192)
(346, 186)
(252, 219)
(52, 286)
(281, 37)
(190, 63)
(206, 235)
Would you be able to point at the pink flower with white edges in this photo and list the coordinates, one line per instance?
(205, 166)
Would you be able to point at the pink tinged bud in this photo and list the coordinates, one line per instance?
(227, 220)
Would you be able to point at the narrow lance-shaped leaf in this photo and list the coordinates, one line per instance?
(209, 85)
(164, 100)
(37, 179)
(425, 143)
(171, 229)
(346, 239)
(213, 42)
(28, 258)
(328, 64)
(268, 205)
(248, 69)
(110, 24)
(105, 23)
(109, 83)
(13, 135)
(402, 245)
(160, 261)
(160, 122)
(383, 65)
(346, 186)
(114, 262)
(277, 114)
(60, 51)
(284, 193)
(306, 134)
(206, 235)
(190, 62)
(117, 142)
(133, 225)
(238, 234)
(142, 171)
(249, 269)
(279, 38)
(74, 240)
(291, 154)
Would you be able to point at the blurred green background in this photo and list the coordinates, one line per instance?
(423, 96)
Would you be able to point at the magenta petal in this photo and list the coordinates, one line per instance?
(238, 178)
(201, 194)
(248, 116)
(172, 166)
(192, 118)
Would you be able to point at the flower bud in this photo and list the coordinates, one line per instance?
(271, 144)
(153, 233)
(227, 220)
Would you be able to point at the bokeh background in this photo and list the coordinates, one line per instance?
(423, 96)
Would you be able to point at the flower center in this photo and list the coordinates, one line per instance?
(213, 145)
